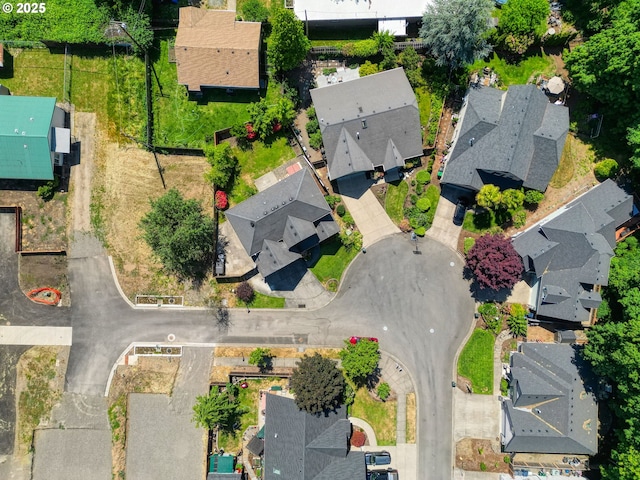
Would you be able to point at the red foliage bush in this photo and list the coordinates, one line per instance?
(358, 438)
(494, 262)
(221, 200)
(245, 292)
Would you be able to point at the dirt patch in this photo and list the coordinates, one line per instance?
(44, 224)
(508, 346)
(411, 417)
(127, 179)
(150, 375)
(39, 384)
(479, 456)
(283, 352)
(540, 334)
(38, 271)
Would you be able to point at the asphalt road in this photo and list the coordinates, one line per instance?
(418, 305)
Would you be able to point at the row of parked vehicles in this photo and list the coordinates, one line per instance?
(375, 459)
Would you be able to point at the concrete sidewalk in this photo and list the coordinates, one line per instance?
(16, 335)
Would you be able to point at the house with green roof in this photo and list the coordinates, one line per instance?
(33, 137)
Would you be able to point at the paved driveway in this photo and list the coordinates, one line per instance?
(443, 229)
(371, 219)
(477, 416)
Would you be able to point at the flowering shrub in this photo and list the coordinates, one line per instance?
(221, 200)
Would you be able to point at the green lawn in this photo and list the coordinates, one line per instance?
(333, 261)
(380, 415)
(264, 301)
(479, 223)
(180, 122)
(394, 200)
(476, 361)
(256, 160)
(97, 81)
(430, 106)
(517, 74)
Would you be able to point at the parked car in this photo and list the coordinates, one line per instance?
(388, 474)
(377, 458)
(458, 215)
(354, 340)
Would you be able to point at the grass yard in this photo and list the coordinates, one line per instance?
(479, 223)
(517, 74)
(256, 160)
(334, 259)
(476, 361)
(380, 415)
(394, 200)
(249, 398)
(576, 161)
(97, 81)
(430, 105)
(263, 301)
(181, 122)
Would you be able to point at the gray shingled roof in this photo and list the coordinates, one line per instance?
(369, 122)
(283, 221)
(510, 139)
(570, 251)
(552, 409)
(301, 446)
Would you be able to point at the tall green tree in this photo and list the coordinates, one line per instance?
(455, 31)
(219, 409)
(180, 234)
(287, 46)
(606, 68)
(360, 360)
(264, 115)
(223, 164)
(522, 22)
(317, 384)
(261, 358)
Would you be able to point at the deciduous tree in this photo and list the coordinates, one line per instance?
(261, 358)
(223, 164)
(219, 409)
(512, 199)
(494, 262)
(360, 360)
(454, 31)
(287, 46)
(179, 233)
(522, 22)
(605, 67)
(317, 384)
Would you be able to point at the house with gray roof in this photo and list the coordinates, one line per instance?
(570, 251)
(552, 407)
(301, 446)
(372, 123)
(277, 225)
(510, 139)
